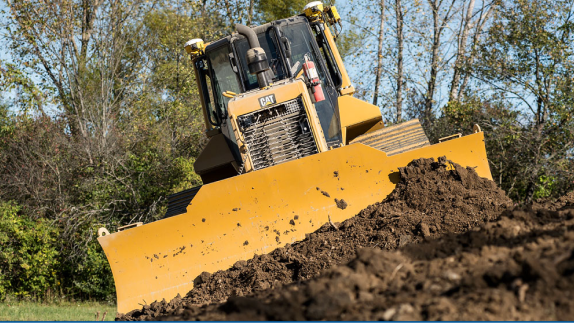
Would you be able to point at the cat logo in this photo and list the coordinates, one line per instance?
(267, 100)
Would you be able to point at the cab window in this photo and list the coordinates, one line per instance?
(301, 40)
(267, 42)
(205, 84)
(223, 77)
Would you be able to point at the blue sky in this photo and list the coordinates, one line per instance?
(3, 54)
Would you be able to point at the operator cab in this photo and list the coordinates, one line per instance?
(223, 70)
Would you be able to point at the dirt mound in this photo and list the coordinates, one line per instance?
(519, 267)
(566, 201)
(433, 198)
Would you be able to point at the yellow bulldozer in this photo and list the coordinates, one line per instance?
(289, 150)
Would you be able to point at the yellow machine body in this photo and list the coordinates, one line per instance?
(236, 218)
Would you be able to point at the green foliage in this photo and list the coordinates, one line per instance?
(279, 9)
(528, 55)
(186, 177)
(510, 146)
(348, 43)
(117, 140)
(28, 94)
(463, 112)
(546, 184)
(92, 276)
(29, 256)
(6, 123)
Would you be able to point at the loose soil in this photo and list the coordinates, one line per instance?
(443, 245)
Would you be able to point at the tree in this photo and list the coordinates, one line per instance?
(252, 12)
(462, 59)
(379, 68)
(124, 125)
(279, 9)
(439, 23)
(528, 56)
(400, 20)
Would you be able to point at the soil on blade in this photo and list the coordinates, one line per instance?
(431, 200)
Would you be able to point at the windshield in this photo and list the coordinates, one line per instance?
(267, 42)
(301, 43)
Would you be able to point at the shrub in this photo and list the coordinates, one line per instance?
(91, 277)
(28, 253)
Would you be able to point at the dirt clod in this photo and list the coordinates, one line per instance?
(425, 230)
(341, 204)
(202, 278)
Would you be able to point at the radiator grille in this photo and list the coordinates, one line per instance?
(277, 134)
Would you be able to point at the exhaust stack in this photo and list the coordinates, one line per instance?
(256, 56)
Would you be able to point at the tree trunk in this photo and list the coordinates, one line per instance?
(379, 70)
(250, 15)
(439, 23)
(431, 86)
(400, 76)
(479, 26)
(461, 52)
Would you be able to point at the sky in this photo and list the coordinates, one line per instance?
(3, 53)
(4, 57)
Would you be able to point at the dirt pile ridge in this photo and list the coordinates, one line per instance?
(432, 199)
(564, 202)
(519, 267)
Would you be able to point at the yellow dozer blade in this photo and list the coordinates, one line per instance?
(254, 213)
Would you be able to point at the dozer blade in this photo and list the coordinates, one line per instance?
(255, 213)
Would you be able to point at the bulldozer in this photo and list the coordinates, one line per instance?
(290, 149)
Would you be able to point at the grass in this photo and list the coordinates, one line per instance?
(60, 311)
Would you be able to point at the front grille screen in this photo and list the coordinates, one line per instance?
(277, 134)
